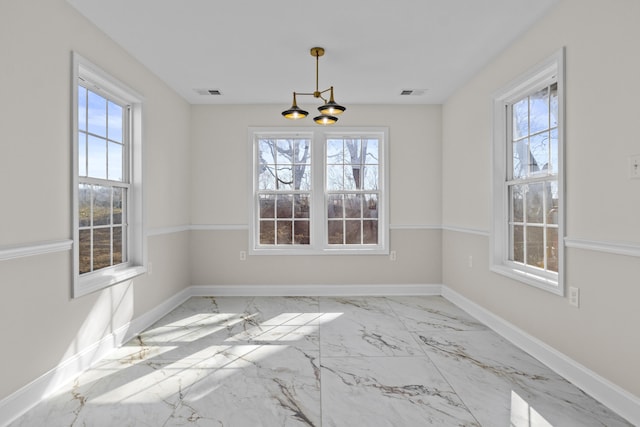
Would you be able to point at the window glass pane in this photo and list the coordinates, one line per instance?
(335, 178)
(370, 181)
(284, 178)
(84, 205)
(517, 201)
(267, 206)
(117, 245)
(334, 206)
(520, 158)
(267, 177)
(125, 256)
(552, 249)
(82, 108)
(535, 202)
(554, 152)
(82, 154)
(101, 206)
(97, 114)
(370, 206)
(284, 151)
(371, 152)
(97, 155)
(115, 121)
(335, 153)
(352, 177)
(266, 148)
(301, 232)
(84, 249)
(517, 238)
(554, 105)
(335, 233)
(521, 119)
(353, 235)
(551, 193)
(302, 177)
(267, 233)
(539, 111)
(353, 151)
(370, 232)
(535, 246)
(539, 158)
(101, 248)
(115, 162)
(301, 206)
(353, 206)
(302, 151)
(284, 206)
(285, 235)
(118, 203)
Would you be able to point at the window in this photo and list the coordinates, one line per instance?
(528, 178)
(319, 191)
(107, 202)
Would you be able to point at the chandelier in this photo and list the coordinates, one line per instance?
(328, 111)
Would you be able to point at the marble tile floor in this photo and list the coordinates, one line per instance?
(319, 361)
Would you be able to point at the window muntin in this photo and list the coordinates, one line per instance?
(318, 191)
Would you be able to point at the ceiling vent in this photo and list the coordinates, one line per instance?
(207, 92)
(413, 92)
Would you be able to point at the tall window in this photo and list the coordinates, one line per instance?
(528, 178)
(107, 210)
(319, 191)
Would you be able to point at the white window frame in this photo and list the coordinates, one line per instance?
(318, 213)
(545, 73)
(102, 83)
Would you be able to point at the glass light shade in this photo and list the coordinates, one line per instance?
(325, 119)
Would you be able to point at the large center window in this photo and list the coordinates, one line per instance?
(318, 191)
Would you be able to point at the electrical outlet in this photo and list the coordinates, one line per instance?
(470, 261)
(574, 296)
(243, 255)
(393, 256)
(634, 166)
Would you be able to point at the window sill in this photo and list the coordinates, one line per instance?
(104, 278)
(530, 278)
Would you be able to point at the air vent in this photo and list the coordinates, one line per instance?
(413, 92)
(207, 92)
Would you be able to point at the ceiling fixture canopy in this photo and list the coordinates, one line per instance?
(328, 111)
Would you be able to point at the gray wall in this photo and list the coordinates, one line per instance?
(41, 325)
(602, 203)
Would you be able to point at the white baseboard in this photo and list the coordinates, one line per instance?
(614, 397)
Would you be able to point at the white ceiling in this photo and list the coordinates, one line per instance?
(257, 51)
